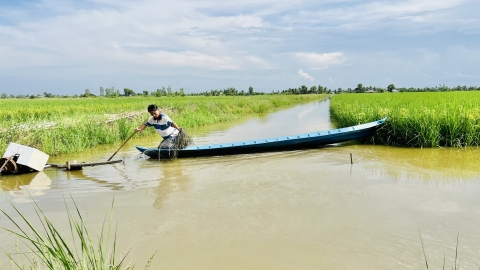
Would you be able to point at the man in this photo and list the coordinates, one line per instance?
(164, 126)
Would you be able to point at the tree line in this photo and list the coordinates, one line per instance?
(111, 92)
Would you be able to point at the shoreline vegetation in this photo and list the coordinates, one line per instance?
(425, 119)
(40, 244)
(63, 126)
(59, 126)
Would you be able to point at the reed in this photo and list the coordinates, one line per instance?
(61, 126)
(456, 262)
(45, 247)
(439, 119)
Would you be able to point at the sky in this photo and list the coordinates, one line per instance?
(64, 47)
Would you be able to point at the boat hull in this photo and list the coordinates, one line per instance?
(302, 141)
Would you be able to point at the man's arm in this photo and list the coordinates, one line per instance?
(175, 126)
(140, 128)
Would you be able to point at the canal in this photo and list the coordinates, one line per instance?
(308, 209)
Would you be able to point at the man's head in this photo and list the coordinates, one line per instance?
(153, 110)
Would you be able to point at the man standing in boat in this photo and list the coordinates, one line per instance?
(164, 126)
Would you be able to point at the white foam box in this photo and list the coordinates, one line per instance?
(28, 156)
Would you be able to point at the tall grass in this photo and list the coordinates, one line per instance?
(45, 247)
(414, 119)
(59, 126)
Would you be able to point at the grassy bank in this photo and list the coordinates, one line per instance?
(414, 119)
(60, 126)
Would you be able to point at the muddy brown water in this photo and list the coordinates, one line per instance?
(309, 209)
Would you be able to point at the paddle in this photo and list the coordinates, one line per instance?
(121, 146)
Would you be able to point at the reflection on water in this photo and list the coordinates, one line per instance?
(426, 165)
(172, 179)
(22, 187)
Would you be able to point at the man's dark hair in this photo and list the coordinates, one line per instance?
(152, 108)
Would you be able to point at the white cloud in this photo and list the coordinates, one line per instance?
(427, 54)
(255, 39)
(306, 76)
(461, 75)
(320, 60)
(368, 12)
(187, 58)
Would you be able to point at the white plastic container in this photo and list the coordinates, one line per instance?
(28, 156)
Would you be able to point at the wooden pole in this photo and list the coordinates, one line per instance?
(78, 166)
(351, 159)
(121, 146)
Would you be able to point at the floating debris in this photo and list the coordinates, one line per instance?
(73, 166)
(22, 159)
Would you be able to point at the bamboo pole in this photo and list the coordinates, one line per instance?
(121, 146)
(78, 166)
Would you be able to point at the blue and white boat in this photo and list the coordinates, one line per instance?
(295, 142)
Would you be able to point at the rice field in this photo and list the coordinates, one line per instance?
(61, 126)
(441, 119)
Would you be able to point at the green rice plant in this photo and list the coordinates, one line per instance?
(437, 119)
(51, 249)
(261, 108)
(61, 126)
(124, 129)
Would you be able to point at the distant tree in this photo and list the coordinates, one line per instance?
(321, 89)
(128, 92)
(145, 93)
(303, 89)
(157, 93)
(163, 91)
(182, 92)
(169, 91)
(390, 87)
(4, 95)
(360, 88)
(102, 92)
(445, 88)
(250, 90)
(231, 91)
(109, 92)
(313, 90)
(48, 95)
(12, 96)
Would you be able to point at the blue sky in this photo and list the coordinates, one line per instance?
(65, 47)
